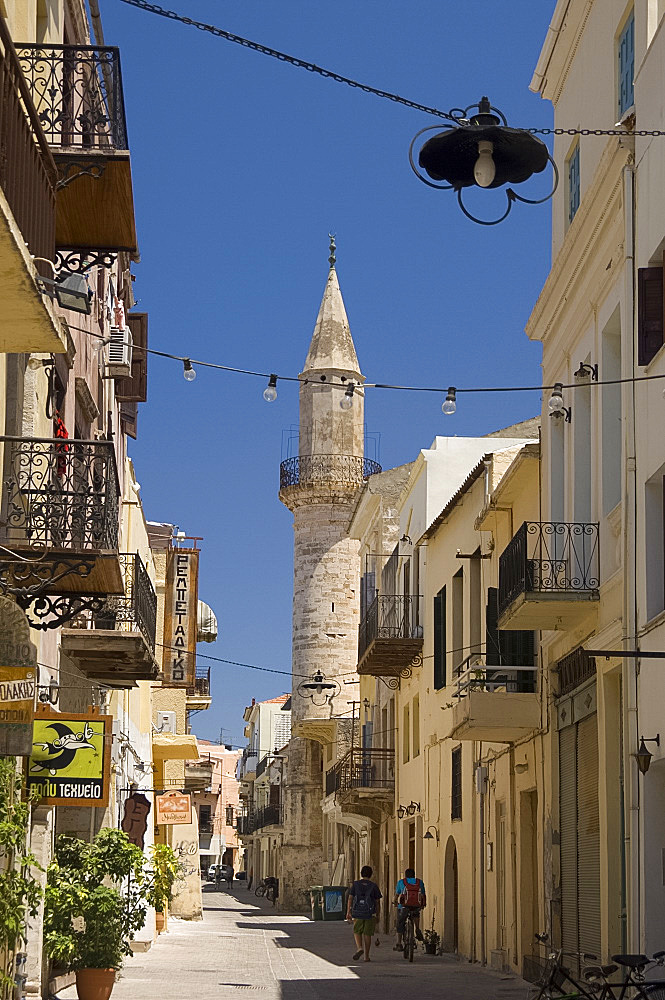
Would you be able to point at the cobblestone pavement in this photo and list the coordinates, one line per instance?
(244, 947)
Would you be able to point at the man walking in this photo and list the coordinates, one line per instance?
(362, 908)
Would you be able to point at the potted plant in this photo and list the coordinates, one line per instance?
(165, 871)
(95, 902)
(431, 941)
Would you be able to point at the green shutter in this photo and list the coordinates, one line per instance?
(440, 639)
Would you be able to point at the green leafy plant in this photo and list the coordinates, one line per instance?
(20, 891)
(96, 900)
(165, 871)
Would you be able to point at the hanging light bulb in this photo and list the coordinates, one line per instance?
(346, 402)
(34, 364)
(484, 171)
(449, 404)
(188, 372)
(270, 392)
(99, 343)
(555, 403)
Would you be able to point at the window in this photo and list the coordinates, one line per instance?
(654, 502)
(415, 722)
(406, 726)
(649, 313)
(626, 56)
(475, 604)
(611, 413)
(205, 822)
(458, 620)
(456, 784)
(229, 815)
(440, 639)
(573, 182)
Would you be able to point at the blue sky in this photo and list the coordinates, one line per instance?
(241, 167)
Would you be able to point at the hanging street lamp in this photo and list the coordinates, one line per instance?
(481, 150)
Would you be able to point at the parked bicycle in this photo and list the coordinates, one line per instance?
(267, 887)
(558, 982)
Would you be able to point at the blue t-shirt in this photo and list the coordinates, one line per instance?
(401, 886)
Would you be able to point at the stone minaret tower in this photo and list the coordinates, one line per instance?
(319, 486)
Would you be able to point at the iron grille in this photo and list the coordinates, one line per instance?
(362, 767)
(27, 172)
(244, 825)
(267, 816)
(201, 682)
(550, 557)
(61, 494)
(77, 91)
(389, 616)
(134, 610)
(574, 668)
(306, 470)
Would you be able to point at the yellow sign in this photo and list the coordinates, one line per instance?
(17, 708)
(173, 808)
(71, 758)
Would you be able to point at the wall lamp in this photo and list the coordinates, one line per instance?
(555, 404)
(429, 836)
(643, 757)
(70, 290)
(318, 687)
(410, 810)
(587, 371)
(48, 364)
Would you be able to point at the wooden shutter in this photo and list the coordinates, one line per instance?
(456, 784)
(517, 648)
(627, 66)
(492, 650)
(588, 836)
(568, 836)
(129, 418)
(440, 639)
(134, 388)
(649, 313)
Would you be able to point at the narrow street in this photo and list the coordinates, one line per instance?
(243, 944)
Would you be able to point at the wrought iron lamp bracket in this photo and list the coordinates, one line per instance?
(80, 261)
(71, 170)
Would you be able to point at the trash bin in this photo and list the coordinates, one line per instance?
(316, 899)
(334, 897)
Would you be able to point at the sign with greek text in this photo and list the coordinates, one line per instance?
(18, 681)
(179, 661)
(173, 808)
(70, 763)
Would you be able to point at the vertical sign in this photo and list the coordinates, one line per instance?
(179, 662)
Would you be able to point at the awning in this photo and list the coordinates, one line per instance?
(206, 623)
(175, 746)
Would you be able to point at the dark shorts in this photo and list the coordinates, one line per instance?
(401, 916)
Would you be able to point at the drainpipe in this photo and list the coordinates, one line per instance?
(630, 666)
(481, 784)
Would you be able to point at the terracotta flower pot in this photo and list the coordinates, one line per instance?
(94, 984)
(160, 921)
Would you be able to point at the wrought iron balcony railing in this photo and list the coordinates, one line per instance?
(574, 668)
(245, 825)
(201, 687)
(77, 90)
(28, 174)
(360, 767)
(390, 616)
(60, 494)
(133, 611)
(312, 470)
(510, 679)
(267, 816)
(550, 558)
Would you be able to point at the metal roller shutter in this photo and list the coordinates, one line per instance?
(568, 826)
(588, 836)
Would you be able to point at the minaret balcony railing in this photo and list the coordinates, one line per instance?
(315, 470)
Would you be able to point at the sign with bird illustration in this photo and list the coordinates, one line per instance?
(70, 762)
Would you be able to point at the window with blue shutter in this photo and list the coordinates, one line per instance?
(626, 66)
(573, 182)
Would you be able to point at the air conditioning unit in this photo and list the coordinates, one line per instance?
(119, 361)
(166, 722)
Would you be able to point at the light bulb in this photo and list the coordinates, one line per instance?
(346, 402)
(188, 372)
(99, 343)
(270, 392)
(484, 171)
(34, 364)
(555, 403)
(449, 405)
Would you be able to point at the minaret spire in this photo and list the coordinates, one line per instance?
(331, 349)
(332, 258)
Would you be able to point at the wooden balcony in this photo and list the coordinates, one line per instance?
(390, 640)
(60, 509)
(549, 576)
(495, 703)
(77, 91)
(28, 178)
(116, 644)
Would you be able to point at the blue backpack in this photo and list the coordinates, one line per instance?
(363, 901)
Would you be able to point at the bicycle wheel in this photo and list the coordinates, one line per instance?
(653, 992)
(409, 940)
(270, 894)
(260, 890)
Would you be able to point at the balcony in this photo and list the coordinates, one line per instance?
(549, 575)
(198, 774)
(28, 179)
(199, 697)
(363, 781)
(267, 816)
(495, 703)
(328, 473)
(60, 510)
(390, 640)
(573, 669)
(77, 91)
(116, 642)
(244, 825)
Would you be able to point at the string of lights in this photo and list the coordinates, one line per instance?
(328, 74)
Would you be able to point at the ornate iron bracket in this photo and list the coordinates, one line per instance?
(59, 609)
(392, 683)
(28, 581)
(71, 170)
(80, 261)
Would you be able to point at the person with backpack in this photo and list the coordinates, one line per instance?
(362, 907)
(409, 895)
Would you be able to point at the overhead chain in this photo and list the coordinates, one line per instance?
(594, 131)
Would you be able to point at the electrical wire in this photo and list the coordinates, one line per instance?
(266, 50)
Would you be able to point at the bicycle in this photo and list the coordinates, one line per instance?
(267, 887)
(597, 985)
(409, 933)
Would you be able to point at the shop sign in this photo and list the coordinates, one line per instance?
(70, 763)
(135, 819)
(173, 808)
(17, 709)
(180, 618)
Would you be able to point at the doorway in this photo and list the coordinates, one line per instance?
(528, 871)
(450, 898)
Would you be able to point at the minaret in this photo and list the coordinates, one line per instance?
(319, 486)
